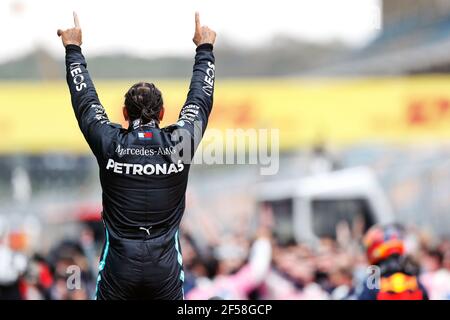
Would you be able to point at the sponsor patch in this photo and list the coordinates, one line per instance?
(146, 152)
(147, 169)
(146, 135)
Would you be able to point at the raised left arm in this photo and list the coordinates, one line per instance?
(90, 114)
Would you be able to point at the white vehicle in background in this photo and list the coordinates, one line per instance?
(309, 208)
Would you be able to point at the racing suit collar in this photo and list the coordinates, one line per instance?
(136, 124)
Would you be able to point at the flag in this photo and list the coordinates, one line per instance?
(145, 135)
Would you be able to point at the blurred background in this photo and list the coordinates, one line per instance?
(359, 90)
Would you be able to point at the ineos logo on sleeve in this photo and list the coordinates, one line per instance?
(209, 79)
(77, 77)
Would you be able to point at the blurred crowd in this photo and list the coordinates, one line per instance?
(260, 268)
(239, 265)
(67, 272)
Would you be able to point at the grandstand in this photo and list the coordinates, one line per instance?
(415, 39)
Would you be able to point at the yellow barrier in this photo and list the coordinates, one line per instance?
(38, 117)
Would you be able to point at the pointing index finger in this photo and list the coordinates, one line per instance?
(75, 20)
(197, 21)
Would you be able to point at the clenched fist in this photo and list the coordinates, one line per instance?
(203, 34)
(73, 35)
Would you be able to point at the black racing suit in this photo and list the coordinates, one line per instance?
(143, 173)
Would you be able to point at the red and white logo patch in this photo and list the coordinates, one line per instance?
(145, 135)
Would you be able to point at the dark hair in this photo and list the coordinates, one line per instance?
(143, 101)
